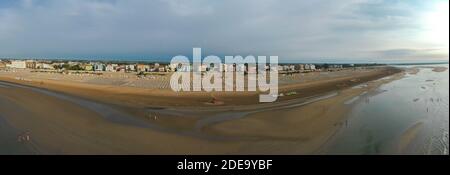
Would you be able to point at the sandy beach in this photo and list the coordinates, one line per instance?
(155, 90)
(66, 116)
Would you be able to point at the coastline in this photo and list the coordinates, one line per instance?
(308, 128)
(157, 97)
(359, 97)
(256, 132)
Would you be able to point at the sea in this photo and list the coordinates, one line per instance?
(406, 116)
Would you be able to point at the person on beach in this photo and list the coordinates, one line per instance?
(25, 136)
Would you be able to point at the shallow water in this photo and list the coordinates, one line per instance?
(380, 123)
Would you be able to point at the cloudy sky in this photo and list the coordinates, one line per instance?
(294, 30)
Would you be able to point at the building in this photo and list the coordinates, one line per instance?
(224, 68)
(180, 67)
(301, 67)
(111, 67)
(173, 67)
(121, 68)
(88, 67)
(130, 67)
(291, 67)
(279, 68)
(47, 66)
(184, 68)
(229, 67)
(44, 66)
(56, 65)
(335, 67)
(202, 68)
(241, 68)
(72, 63)
(18, 64)
(167, 68)
(307, 67)
(142, 68)
(30, 64)
(99, 67)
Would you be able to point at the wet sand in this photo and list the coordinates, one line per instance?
(408, 136)
(439, 69)
(306, 127)
(405, 116)
(57, 126)
(75, 118)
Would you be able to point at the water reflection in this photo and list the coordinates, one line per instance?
(410, 116)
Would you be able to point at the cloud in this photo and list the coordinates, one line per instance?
(414, 54)
(293, 30)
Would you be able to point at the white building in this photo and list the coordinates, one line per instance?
(99, 67)
(156, 66)
(183, 68)
(111, 67)
(279, 68)
(222, 67)
(307, 67)
(131, 67)
(18, 64)
(202, 68)
(73, 63)
(292, 67)
(240, 68)
(44, 66)
(228, 67)
(173, 67)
